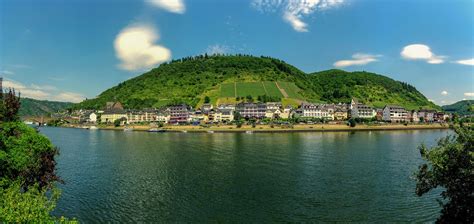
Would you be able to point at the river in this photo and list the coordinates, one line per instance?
(114, 176)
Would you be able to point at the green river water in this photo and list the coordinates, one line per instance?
(113, 176)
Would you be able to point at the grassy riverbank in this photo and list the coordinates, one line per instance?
(275, 128)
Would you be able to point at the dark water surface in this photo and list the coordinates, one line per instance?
(297, 177)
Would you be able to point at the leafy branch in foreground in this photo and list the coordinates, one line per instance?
(27, 169)
(450, 166)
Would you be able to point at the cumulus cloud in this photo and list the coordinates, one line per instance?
(469, 94)
(444, 93)
(294, 11)
(174, 6)
(421, 52)
(357, 59)
(466, 62)
(43, 92)
(135, 47)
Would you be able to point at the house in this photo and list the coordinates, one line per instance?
(359, 110)
(179, 114)
(340, 114)
(286, 113)
(224, 115)
(426, 115)
(316, 111)
(394, 113)
(251, 110)
(205, 108)
(413, 116)
(162, 116)
(109, 116)
(198, 116)
(135, 116)
(438, 117)
(273, 110)
(379, 114)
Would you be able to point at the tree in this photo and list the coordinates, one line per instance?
(237, 116)
(352, 122)
(249, 98)
(117, 122)
(11, 106)
(27, 170)
(207, 99)
(450, 166)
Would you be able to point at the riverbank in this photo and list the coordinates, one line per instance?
(275, 128)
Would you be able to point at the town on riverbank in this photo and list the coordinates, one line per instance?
(254, 117)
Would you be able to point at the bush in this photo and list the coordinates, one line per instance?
(352, 122)
(117, 122)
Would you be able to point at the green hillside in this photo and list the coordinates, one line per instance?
(32, 107)
(228, 79)
(462, 107)
(189, 80)
(370, 88)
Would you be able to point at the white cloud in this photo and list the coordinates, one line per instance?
(69, 97)
(135, 47)
(421, 52)
(293, 11)
(218, 49)
(357, 59)
(43, 92)
(175, 6)
(469, 94)
(6, 72)
(295, 22)
(466, 62)
(444, 93)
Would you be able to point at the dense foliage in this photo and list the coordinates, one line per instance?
(372, 89)
(450, 166)
(27, 168)
(191, 79)
(33, 108)
(463, 107)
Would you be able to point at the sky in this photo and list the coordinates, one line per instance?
(69, 50)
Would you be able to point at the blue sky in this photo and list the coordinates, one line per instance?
(68, 50)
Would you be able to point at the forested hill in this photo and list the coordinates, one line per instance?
(370, 88)
(463, 107)
(32, 108)
(227, 79)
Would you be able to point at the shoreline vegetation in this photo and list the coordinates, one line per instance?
(267, 128)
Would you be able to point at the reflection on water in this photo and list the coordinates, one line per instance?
(298, 177)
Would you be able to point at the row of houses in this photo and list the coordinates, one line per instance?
(270, 110)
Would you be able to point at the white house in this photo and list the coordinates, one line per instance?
(359, 110)
(394, 113)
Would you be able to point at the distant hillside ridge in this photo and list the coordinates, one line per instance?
(463, 107)
(35, 108)
(230, 79)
